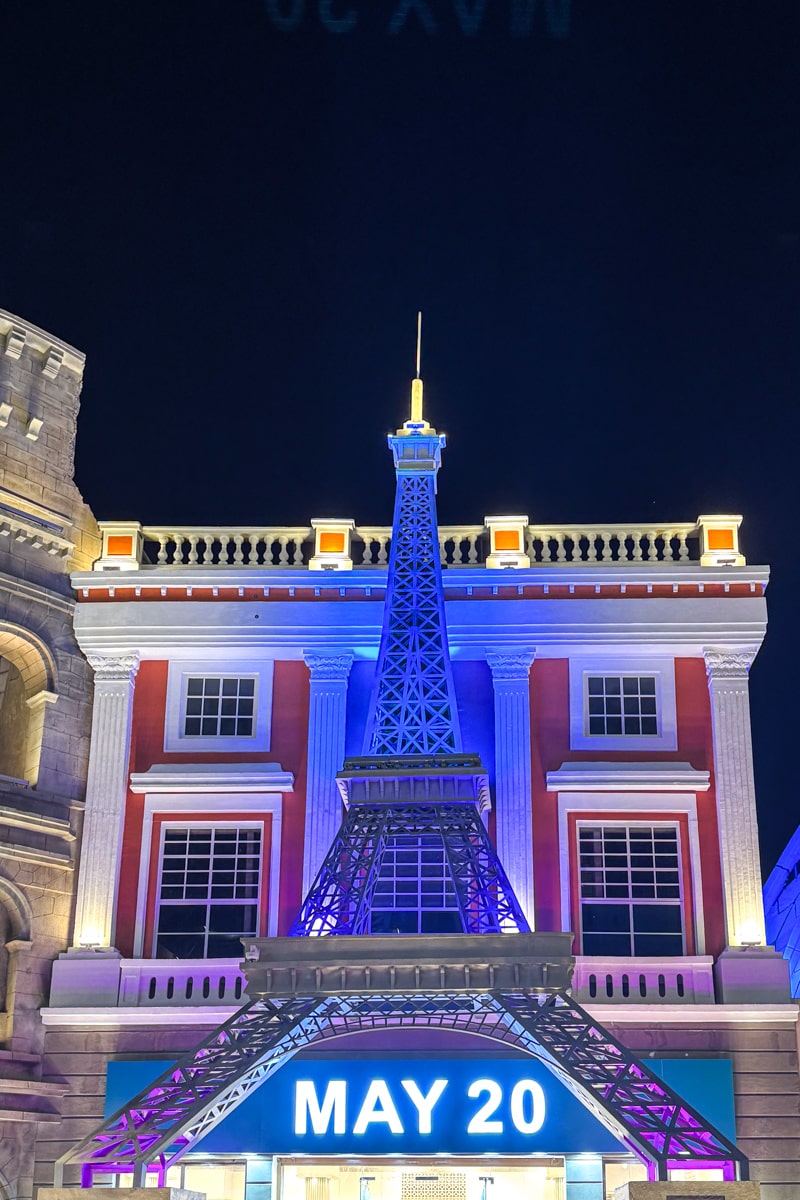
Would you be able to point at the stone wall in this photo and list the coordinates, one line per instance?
(765, 1082)
(46, 530)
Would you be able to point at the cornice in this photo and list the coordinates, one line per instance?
(41, 341)
(208, 777)
(597, 574)
(650, 1015)
(627, 777)
(22, 589)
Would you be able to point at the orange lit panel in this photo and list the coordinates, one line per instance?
(119, 543)
(506, 539)
(331, 543)
(720, 539)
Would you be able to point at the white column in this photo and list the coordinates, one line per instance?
(727, 671)
(106, 789)
(512, 739)
(326, 727)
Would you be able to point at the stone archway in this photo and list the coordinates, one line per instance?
(27, 685)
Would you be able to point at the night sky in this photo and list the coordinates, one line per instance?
(236, 209)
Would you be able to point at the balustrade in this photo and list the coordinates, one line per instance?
(459, 545)
(159, 983)
(643, 980)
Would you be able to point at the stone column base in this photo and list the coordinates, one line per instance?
(752, 975)
(686, 1191)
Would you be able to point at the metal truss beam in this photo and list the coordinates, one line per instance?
(165, 1120)
(339, 901)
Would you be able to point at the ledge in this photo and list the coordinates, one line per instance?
(377, 964)
(205, 777)
(627, 777)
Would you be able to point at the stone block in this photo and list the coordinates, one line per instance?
(687, 1191)
(752, 975)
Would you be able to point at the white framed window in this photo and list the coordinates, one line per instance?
(628, 705)
(213, 706)
(414, 892)
(208, 895)
(628, 804)
(630, 889)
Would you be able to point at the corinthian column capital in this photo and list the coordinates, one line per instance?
(726, 662)
(114, 668)
(327, 667)
(510, 664)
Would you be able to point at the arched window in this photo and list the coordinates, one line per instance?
(26, 687)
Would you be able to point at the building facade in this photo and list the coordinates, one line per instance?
(46, 531)
(513, 732)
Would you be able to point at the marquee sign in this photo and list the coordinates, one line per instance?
(413, 1105)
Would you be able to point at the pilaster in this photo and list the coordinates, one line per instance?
(326, 732)
(106, 789)
(727, 671)
(512, 732)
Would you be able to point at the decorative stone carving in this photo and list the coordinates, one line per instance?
(15, 342)
(724, 663)
(327, 667)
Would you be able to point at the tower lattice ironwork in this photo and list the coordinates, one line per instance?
(414, 781)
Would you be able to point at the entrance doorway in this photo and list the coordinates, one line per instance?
(439, 1178)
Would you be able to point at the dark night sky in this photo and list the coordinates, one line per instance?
(238, 223)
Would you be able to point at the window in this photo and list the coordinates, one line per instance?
(215, 706)
(617, 704)
(630, 890)
(208, 890)
(414, 892)
(622, 705)
(219, 706)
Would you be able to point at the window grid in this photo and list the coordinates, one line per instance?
(631, 896)
(622, 704)
(414, 887)
(219, 706)
(209, 889)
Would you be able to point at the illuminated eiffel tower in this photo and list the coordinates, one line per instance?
(414, 793)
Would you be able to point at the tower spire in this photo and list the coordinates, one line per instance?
(417, 423)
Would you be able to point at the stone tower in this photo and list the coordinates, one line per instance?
(46, 531)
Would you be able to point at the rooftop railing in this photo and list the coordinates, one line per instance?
(500, 542)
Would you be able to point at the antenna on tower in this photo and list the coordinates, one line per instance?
(417, 421)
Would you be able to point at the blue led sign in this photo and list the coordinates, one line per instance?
(408, 1105)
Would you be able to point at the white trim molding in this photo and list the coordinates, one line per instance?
(637, 806)
(206, 810)
(627, 777)
(662, 668)
(259, 668)
(200, 778)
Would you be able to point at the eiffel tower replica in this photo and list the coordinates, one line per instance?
(414, 789)
(348, 965)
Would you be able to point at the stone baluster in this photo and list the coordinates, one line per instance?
(512, 731)
(326, 730)
(106, 789)
(727, 671)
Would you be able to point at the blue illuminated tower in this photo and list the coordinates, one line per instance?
(413, 837)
